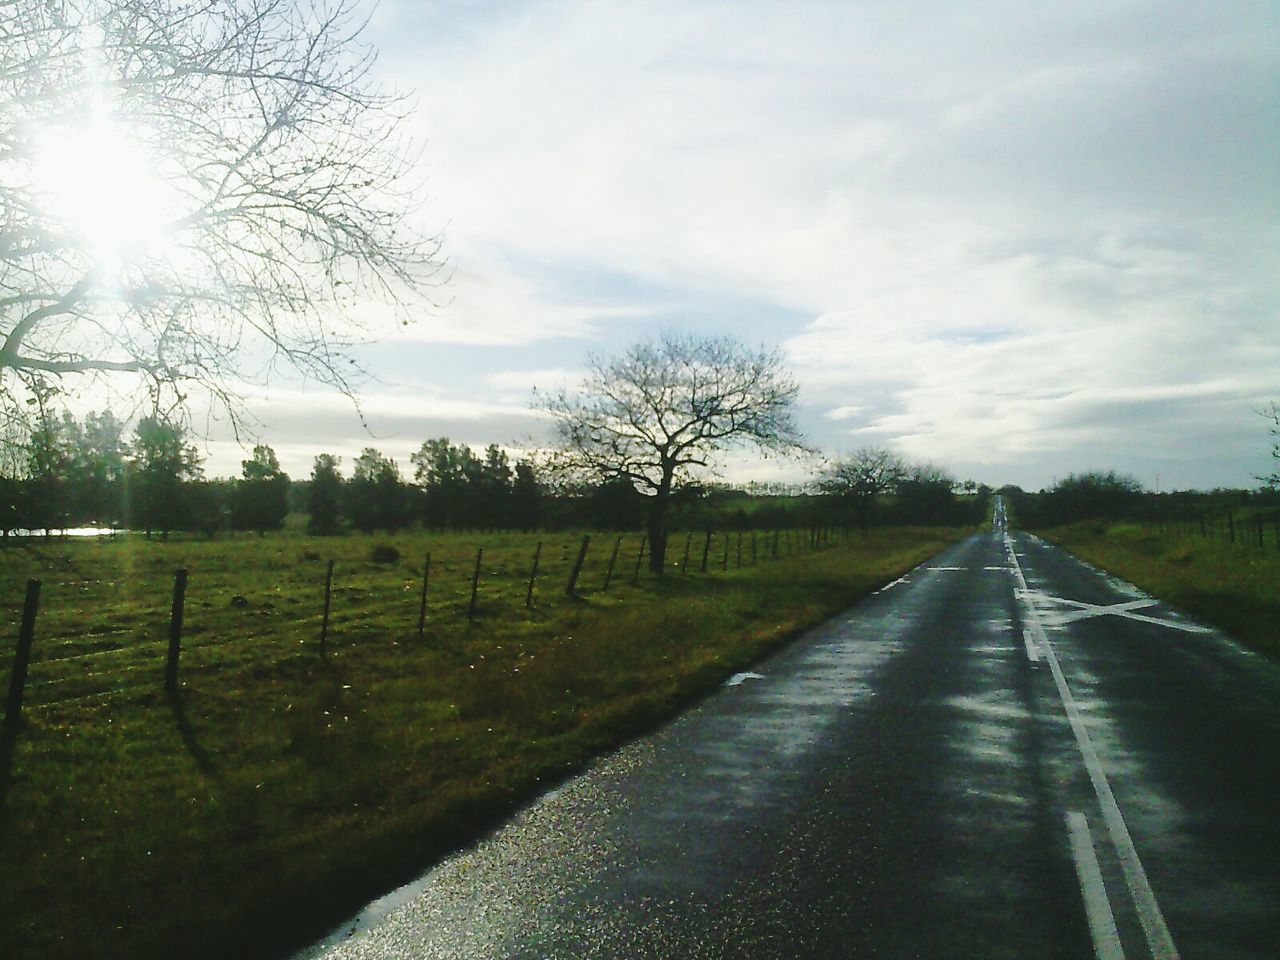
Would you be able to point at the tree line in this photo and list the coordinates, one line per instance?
(451, 488)
(877, 485)
(1108, 495)
(95, 472)
(73, 473)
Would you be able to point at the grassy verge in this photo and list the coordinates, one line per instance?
(282, 789)
(1233, 586)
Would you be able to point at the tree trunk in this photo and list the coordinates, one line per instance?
(658, 531)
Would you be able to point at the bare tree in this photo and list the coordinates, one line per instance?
(861, 476)
(665, 409)
(195, 192)
(1272, 413)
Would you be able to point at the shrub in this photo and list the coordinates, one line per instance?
(383, 553)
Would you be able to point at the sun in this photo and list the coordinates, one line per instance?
(97, 183)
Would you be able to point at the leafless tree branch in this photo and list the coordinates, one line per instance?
(287, 180)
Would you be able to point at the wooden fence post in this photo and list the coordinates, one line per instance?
(635, 574)
(706, 551)
(422, 604)
(739, 561)
(533, 574)
(475, 586)
(684, 564)
(22, 657)
(328, 592)
(175, 631)
(577, 566)
(753, 548)
(613, 558)
(724, 559)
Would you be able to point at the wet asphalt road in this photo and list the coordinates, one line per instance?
(1005, 754)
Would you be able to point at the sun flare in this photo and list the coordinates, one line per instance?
(102, 187)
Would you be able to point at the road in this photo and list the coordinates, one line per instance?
(1006, 753)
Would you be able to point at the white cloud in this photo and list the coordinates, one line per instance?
(1021, 233)
(527, 380)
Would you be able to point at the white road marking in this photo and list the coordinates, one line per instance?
(1028, 641)
(889, 586)
(1087, 611)
(947, 569)
(1144, 899)
(1097, 908)
(739, 678)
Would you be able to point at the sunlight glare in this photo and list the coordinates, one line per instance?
(98, 182)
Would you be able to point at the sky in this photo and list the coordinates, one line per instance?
(1015, 240)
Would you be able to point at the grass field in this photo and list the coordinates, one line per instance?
(1232, 585)
(282, 787)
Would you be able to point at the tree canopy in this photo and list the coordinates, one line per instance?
(861, 476)
(665, 409)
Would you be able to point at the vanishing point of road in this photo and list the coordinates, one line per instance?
(1004, 754)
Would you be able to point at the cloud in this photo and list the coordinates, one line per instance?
(997, 236)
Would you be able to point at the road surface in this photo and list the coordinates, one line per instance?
(1006, 753)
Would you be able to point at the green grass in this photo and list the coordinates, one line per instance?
(1232, 585)
(282, 789)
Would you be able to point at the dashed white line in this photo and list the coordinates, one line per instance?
(1033, 651)
(1097, 908)
(1154, 927)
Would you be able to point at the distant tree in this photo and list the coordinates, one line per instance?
(324, 497)
(443, 471)
(10, 504)
(98, 470)
(926, 494)
(49, 456)
(526, 497)
(1095, 494)
(376, 494)
(208, 505)
(1272, 413)
(665, 409)
(260, 500)
(858, 478)
(615, 505)
(493, 495)
(161, 463)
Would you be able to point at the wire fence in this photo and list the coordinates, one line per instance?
(1258, 529)
(126, 617)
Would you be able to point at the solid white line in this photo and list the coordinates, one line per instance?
(1144, 899)
(1097, 908)
(1028, 641)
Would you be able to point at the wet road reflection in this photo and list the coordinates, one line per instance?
(903, 782)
